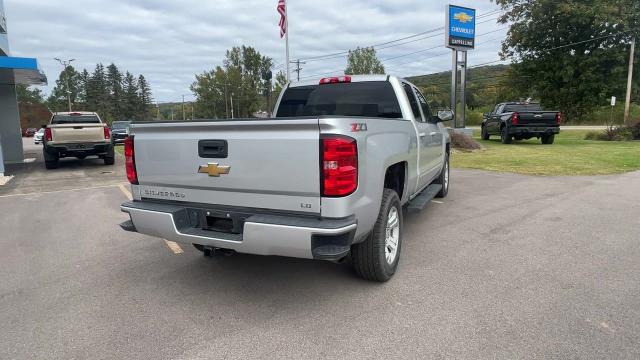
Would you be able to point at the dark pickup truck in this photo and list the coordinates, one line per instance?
(521, 121)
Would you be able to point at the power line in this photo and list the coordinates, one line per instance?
(322, 57)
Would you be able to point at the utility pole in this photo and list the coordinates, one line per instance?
(66, 64)
(232, 105)
(184, 116)
(627, 103)
(157, 111)
(298, 68)
(226, 104)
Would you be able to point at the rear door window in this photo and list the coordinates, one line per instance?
(367, 98)
(426, 111)
(415, 108)
(522, 107)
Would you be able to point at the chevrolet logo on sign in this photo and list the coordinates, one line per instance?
(463, 17)
(213, 169)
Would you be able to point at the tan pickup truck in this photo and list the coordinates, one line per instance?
(77, 134)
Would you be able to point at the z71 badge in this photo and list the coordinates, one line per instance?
(357, 127)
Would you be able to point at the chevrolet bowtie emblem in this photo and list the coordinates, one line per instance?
(463, 17)
(213, 169)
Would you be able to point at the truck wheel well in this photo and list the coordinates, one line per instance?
(394, 178)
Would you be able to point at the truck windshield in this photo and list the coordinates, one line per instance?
(522, 107)
(75, 119)
(369, 98)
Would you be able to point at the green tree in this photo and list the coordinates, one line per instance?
(281, 82)
(97, 92)
(547, 43)
(243, 79)
(68, 84)
(28, 94)
(363, 61)
(114, 91)
(131, 100)
(145, 99)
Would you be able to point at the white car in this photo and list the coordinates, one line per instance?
(37, 137)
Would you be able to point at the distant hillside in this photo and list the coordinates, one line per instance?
(473, 74)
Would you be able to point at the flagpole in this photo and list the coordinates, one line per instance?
(286, 39)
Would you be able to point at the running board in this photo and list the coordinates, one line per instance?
(419, 202)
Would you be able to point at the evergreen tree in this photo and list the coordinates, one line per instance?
(114, 89)
(97, 92)
(144, 96)
(29, 95)
(131, 100)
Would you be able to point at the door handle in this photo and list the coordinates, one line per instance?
(422, 134)
(433, 133)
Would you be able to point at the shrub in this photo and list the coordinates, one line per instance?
(464, 142)
(616, 133)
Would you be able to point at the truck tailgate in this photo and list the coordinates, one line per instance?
(77, 133)
(272, 164)
(538, 118)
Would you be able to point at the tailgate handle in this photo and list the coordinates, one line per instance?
(78, 127)
(213, 149)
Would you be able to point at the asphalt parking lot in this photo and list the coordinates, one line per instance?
(507, 266)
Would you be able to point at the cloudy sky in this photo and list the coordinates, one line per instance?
(170, 41)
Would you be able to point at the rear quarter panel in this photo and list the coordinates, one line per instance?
(384, 143)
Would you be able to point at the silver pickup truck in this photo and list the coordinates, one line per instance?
(327, 178)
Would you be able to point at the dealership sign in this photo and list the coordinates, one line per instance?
(460, 33)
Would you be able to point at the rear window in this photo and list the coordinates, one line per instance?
(522, 107)
(370, 99)
(75, 119)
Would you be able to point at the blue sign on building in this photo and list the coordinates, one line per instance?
(460, 31)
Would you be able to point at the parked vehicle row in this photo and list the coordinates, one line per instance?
(328, 177)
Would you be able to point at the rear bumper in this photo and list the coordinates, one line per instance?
(292, 236)
(62, 150)
(534, 130)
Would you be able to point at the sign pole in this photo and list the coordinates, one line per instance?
(460, 36)
(454, 85)
(463, 87)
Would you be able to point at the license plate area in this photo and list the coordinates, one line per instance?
(218, 220)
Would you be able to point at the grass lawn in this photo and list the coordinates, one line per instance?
(569, 155)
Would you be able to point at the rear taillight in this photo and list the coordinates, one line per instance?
(515, 117)
(335, 80)
(339, 165)
(130, 160)
(48, 136)
(558, 118)
(107, 133)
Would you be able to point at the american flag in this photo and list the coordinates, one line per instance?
(282, 9)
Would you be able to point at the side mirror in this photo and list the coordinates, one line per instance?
(444, 115)
(486, 114)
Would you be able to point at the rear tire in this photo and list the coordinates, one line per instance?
(378, 256)
(484, 134)
(505, 138)
(548, 139)
(443, 178)
(110, 158)
(50, 161)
